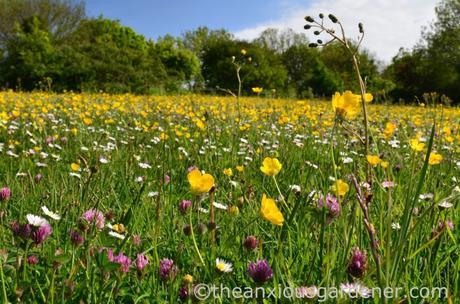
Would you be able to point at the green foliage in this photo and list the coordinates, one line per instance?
(59, 17)
(307, 74)
(264, 69)
(104, 55)
(435, 65)
(31, 57)
(181, 64)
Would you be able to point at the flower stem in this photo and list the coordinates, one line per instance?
(194, 240)
(2, 277)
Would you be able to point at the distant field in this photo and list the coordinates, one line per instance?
(116, 173)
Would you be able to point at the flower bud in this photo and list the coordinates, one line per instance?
(251, 243)
(333, 18)
(187, 230)
(307, 26)
(309, 19)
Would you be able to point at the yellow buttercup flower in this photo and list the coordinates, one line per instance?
(228, 171)
(240, 168)
(384, 164)
(374, 160)
(87, 121)
(368, 97)
(120, 228)
(389, 129)
(435, 159)
(75, 167)
(200, 183)
(257, 90)
(416, 145)
(340, 187)
(270, 212)
(200, 124)
(271, 166)
(243, 52)
(346, 105)
(187, 279)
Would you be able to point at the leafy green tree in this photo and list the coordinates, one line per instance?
(434, 64)
(197, 40)
(104, 55)
(332, 56)
(181, 64)
(307, 74)
(264, 69)
(31, 57)
(59, 17)
(280, 40)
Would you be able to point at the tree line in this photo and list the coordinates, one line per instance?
(53, 45)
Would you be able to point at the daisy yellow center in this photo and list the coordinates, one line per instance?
(221, 266)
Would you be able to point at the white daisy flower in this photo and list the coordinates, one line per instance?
(51, 214)
(73, 174)
(295, 188)
(395, 226)
(202, 210)
(445, 205)
(11, 153)
(347, 160)
(36, 220)
(145, 166)
(152, 194)
(426, 197)
(234, 184)
(103, 160)
(223, 266)
(220, 206)
(117, 235)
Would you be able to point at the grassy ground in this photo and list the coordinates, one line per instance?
(127, 158)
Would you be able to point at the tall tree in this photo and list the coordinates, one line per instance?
(264, 69)
(280, 40)
(104, 55)
(31, 57)
(307, 74)
(59, 17)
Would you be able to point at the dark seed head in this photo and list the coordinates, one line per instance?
(321, 15)
(309, 19)
(361, 28)
(313, 45)
(187, 230)
(316, 33)
(319, 41)
(307, 26)
(333, 18)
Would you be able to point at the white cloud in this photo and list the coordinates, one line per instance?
(389, 24)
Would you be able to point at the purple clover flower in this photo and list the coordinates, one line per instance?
(260, 272)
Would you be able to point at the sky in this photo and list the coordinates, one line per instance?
(389, 24)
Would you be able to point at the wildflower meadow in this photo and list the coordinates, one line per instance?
(232, 198)
(121, 198)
